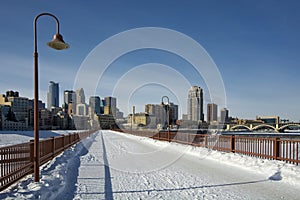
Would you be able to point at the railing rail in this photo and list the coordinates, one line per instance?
(16, 161)
(287, 150)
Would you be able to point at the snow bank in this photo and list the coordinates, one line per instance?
(273, 169)
(17, 137)
(58, 176)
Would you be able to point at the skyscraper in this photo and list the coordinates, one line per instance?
(224, 115)
(80, 105)
(110, 106)
(212, 112)
(173, 113)
(69, 96)
(195, 104)
(80, 97)
(53, 95)
(94, 105)
(69, 101)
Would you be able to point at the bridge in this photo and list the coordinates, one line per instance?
(280, 127)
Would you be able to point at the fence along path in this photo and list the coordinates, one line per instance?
(274, 148)
(16, 161)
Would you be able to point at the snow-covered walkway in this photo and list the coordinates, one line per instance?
(94, 180)
(111, 165)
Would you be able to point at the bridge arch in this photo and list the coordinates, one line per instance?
(282, 128)
(240, 126)
(264, 126)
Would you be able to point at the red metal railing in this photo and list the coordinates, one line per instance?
(16, 161)
(287, 150)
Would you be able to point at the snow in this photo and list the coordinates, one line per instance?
(112, 165)
(16, 137)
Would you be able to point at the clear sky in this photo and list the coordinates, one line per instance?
(254, 44)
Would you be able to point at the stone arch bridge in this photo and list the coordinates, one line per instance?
(253, 127)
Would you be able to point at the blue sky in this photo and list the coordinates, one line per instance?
(254, 44)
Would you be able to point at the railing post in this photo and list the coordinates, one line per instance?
(205, 141)
(276, 148)
(1, 167)
(64, 137)
(31, 152)
(72, 138)
(70, 142)
(53, 146)
(232, 143)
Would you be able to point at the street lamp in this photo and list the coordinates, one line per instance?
(162, 103)
(58, 44)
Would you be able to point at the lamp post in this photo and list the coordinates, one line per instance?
(162, 103)
(58, 44)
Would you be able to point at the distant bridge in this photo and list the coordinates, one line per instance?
(254, 127)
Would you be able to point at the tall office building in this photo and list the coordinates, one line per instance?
(224, 115)
(80, 97)
(102, 104)
(69, 101)
(173, 113)
(69, 96)
(195, 104)
(94, 105)
(212, 112)
(80, 105)
(53, 95)
(110, 106)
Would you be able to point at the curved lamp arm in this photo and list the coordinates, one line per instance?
(162, 100)
(57, 43)
(35, 27)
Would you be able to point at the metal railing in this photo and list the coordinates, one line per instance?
(275, 148)
(16, 161)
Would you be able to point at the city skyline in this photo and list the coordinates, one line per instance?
(254, 44)
(108, 106)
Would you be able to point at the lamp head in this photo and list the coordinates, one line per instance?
(58, 43)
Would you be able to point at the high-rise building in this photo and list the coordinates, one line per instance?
(94, 105)
(69, 96)
(80, 105)
(110, 107)
(102, 104)
(224, 115)
(53, 95)
(173, 113)
(212, 112)
(80, 97)
(195, 104)
(69, 101)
